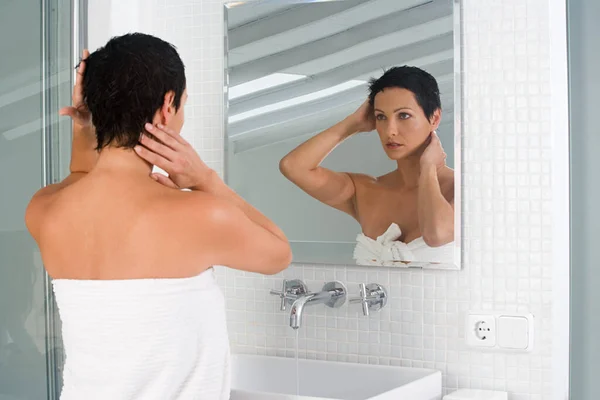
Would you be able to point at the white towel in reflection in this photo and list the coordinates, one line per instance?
(388, 251)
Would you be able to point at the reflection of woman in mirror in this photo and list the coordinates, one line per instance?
(406, 215)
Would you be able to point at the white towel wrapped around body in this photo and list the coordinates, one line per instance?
(150, 339)
(387, 250)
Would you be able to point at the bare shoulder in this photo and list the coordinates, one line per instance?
(362, 181)
(35, 213)
(216, 231)
(190, 223)
(196, 208)
(387, 178)
(40, 207)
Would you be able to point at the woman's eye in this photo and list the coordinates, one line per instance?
(404, 116)
(380, 117)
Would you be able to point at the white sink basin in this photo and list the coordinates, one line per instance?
(274, 378)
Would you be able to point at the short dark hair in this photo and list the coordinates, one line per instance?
(421, 83)
(125, 84)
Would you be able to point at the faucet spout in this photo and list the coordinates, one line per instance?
(297, 309)
(333, 295)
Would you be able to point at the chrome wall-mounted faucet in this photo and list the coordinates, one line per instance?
(333, 294)
(294, 293)
(290, 291)
(373, 297)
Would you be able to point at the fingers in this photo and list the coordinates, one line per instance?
(81, 68)
(158, 148)
(78, 88)
(439, 142)
(435, 139)
(68, 111)
(72, 112)
(429, 139)
(84, 57)
(166, 135)
(153, 158)
(181, 140)
(164, 180)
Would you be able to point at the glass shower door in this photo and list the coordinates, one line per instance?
(35, 79)
(584, 86)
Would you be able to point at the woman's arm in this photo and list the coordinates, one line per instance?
(234, 222)
(436, 213)
(214, 185)
(230, 232)
(83, 158)
(83, 147)
(83, 152)
(302, 166)
(187, 171)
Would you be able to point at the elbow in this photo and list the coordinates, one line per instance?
(280, 262)
(438, 237)
(286, 166)
(296, 171)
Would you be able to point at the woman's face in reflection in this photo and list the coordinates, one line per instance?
(402, 125)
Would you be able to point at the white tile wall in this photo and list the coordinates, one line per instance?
(507, 214)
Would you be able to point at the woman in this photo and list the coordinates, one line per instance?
(131, 254)
(407, 215)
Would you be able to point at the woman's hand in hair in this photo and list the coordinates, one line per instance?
(172, 153)
(78, 111)
(363, 119)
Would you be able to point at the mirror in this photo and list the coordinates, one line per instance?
(343, 126)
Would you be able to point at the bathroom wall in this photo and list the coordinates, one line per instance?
(508, 218)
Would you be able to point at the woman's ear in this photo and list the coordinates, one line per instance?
(168, 111)
(435, 120)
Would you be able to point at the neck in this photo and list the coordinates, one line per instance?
(409, 167)
(409, 170)
(125, 161)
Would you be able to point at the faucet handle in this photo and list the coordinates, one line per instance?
(373, 297)
(290, 290)
(281, 294)
(362, 299)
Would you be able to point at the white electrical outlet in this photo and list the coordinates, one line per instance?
(500, 332)
(480, 330)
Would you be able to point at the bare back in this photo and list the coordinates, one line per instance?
(108, 227)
